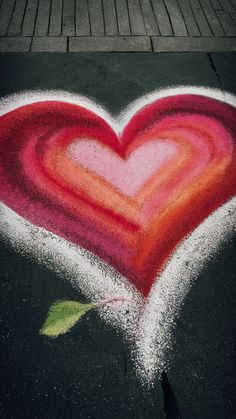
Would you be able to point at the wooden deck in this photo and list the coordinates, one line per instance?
(117, 25)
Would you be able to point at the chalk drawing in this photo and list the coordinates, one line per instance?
(119, 204)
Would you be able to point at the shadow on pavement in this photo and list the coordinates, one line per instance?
(170, 409)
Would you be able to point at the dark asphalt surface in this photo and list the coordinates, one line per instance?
(88, 372)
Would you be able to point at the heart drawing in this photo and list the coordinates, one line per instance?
(131, 206)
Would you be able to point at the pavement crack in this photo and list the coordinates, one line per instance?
(215, 70)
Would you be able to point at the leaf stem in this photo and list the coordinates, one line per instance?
(109, 300)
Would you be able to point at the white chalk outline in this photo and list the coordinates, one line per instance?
(147, 326)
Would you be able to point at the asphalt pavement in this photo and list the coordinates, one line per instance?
(88, 373)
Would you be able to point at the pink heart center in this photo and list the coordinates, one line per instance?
(128, 175)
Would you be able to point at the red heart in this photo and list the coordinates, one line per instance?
(61, 168)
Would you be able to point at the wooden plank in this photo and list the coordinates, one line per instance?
(14, 28)
(55, 25)
(42, 19)
(29, 18)
(201, 19)
(227, 23)
(227, 5)
(110, 17)
(136, 18)
(15, 43)
(96, 18)
(49, 44)
(109, 44)
(82, 26)
(122, 17)
(216, 4)
(6, 10)
(203, 23)
(233, 2)
(188, 44)
(212, 18)
(189, 19)
(68, 18)
(149, 18)
(195, 4)
(176, 18)
(162, 17)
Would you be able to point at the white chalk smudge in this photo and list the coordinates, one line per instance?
(148, 327)
(96, 279)
(168, 293)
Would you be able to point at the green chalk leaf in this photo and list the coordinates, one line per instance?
(62, 316)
